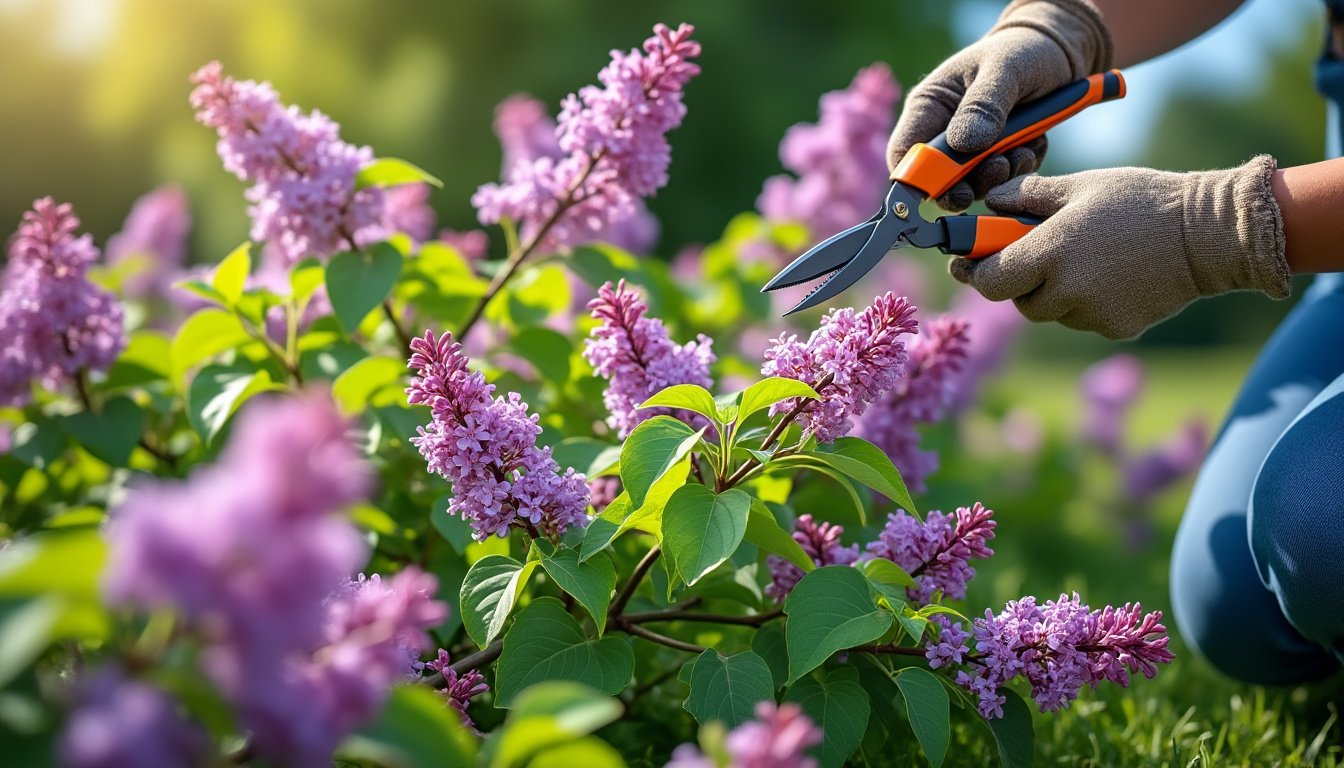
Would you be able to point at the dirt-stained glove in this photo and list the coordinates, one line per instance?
(1124, 248)
(1036, 47)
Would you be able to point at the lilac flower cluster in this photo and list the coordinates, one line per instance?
(637, 358)
(937, 551)
(471, 243)
(54, 324)
(993, 326)
(458, 689)
(406, 209)
(1058, 647)
(614, 144)
(779, 737)
(303, 195)
(922, 396)
(1149, 473)
(487, 448)
(156, 231)
(119, 722)
(252, 570)
(839, 162)
(821, 542)
(862, 354)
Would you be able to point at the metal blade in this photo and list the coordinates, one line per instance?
(824, 257)
(885, 234)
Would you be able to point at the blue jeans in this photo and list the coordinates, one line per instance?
(1257, 571)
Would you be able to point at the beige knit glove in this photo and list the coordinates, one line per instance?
(1036, 47)
(1125, 248)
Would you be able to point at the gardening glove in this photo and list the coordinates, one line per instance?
(1124, 248)
(1036, 47)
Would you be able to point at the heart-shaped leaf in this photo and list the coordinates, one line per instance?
(930, 717)
(701, 529)
(829, 610)
(110, 434)
(590, 581)
(547, 644)
(837, 703)
(358, 281)
(488, 594)
(726, 688)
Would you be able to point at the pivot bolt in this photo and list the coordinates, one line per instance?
(901, 210)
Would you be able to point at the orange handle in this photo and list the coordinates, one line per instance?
(934, 167)
(978, 236)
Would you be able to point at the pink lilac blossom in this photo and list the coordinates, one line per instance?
(602, 491)
(778, 737)
(922, 396)
(303, 194)
(993, 328)
(821, 542)
(471, 243)
(487, 448)
(122, 722)
(156, 230)
(637, 358)
(55, 325)
(863, 354)
(839, 163)
(458, 689)
(1150, 473)
(1109, 389)
(614, 145)
(1058, 647)
(937, 552)
(406, 209)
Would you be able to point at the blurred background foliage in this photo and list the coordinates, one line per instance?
(96, 101)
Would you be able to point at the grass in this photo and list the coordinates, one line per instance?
(1064, 527)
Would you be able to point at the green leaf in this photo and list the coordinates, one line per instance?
(830, 609)
(202, 289)
(590, 581)
(488, 594)
(551, 714)
(391, 172)
(53, 563)
(701, 529)
(110, 434)
(766, 393)
(546, 643)
(930, 717)
(838, 704)
(231, 274)
(589, 752)
(545, 349)
(218, 392)
(452, 527)
(603, 529)
(358, 281)
(846, 485)
(653, 448)
(726, 688)
(769, 644)
(372, 381)
(25, 630)
(1013, 732)
(146, 359)
(688, 396)
(304, 279)
(204, 335)
(866, 463)
(890, 580)
(414, 730)
(764, 531)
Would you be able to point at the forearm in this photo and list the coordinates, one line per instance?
(1143, 29)
(1311, 199)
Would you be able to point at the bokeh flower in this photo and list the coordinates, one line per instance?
(1109, 389)
(821, 542)
(155, 232)
(406, 209)
(778, 737)
(614, 143)
(937, 552)
(634, 353)
(120, 722)
(487, 448)
(55, 325)
(1153, 471)
(861, 356)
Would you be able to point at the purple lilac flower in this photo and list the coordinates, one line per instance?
(922, 396)
(614, 144)
(993, 326)
(1150, 473)
(54, 324)
(156, 230)
(602, 491)
(120, 722)
(1059, 648)
(634, 354)
(458, 689)
(1109, 389)
(406, 209)
(862, 353)
(821, 542)
(950, 647)
(471, 243)
(487, 448)
(303, 193)
(937, 551)
(779, 737)
(840, 161)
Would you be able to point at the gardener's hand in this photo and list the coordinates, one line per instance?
(1124, 248)
(1036, 47)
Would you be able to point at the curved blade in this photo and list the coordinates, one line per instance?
(827, 256)
(885, 234)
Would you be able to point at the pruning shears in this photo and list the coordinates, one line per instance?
(926, 172)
